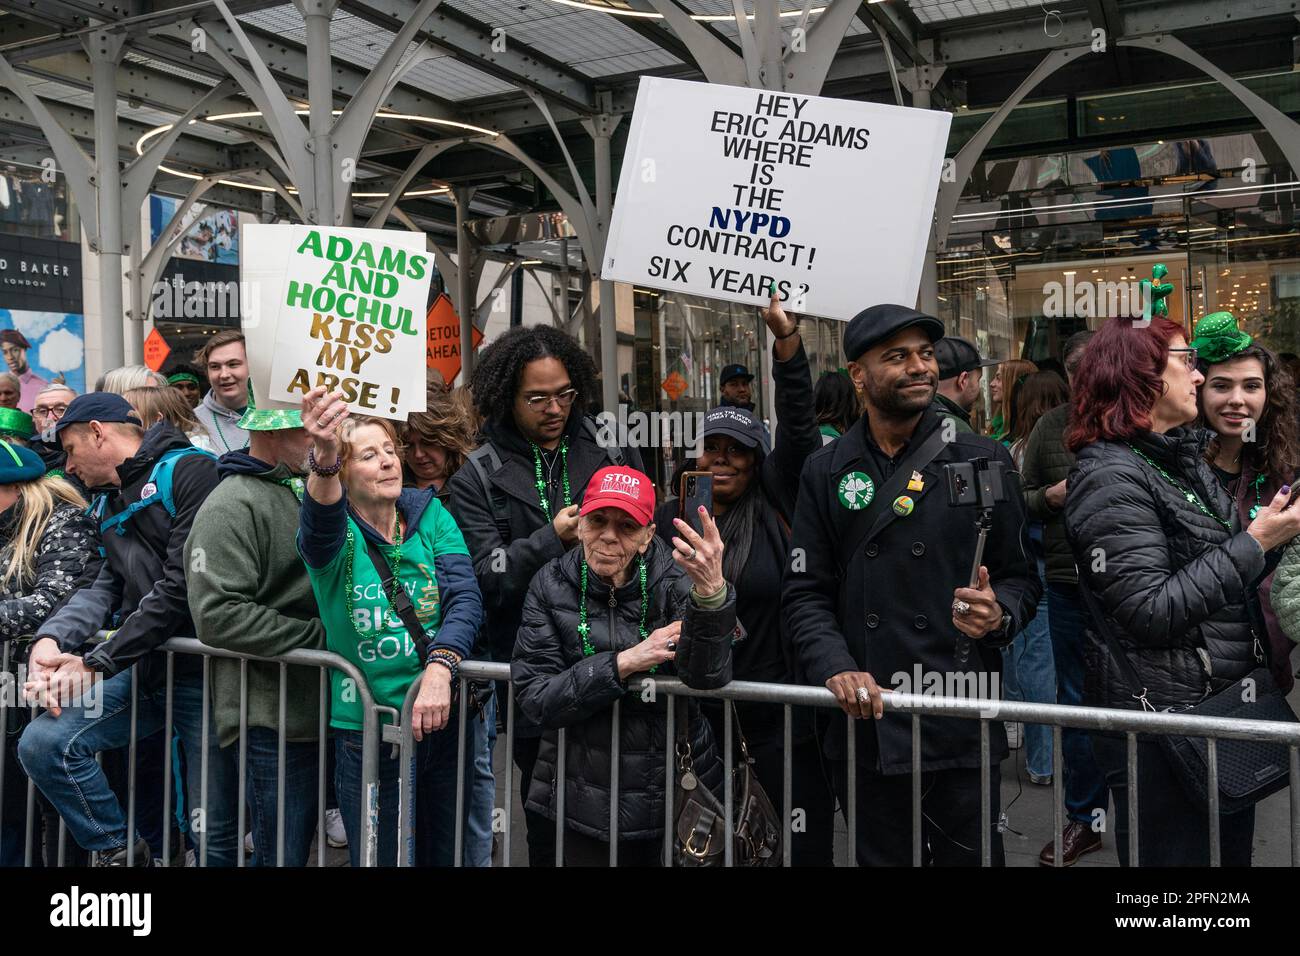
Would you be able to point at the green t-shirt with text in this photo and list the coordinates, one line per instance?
(374, 638)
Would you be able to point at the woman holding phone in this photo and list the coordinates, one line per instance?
(755, 483)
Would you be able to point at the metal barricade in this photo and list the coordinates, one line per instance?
(323, 661)
(1128, 723)
(1058, 716)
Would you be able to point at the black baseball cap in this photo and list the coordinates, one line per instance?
(97, 407)
(956, 355)
(878, 323)
(737, 423)
(734, 371)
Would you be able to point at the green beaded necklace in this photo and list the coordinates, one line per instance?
(564, 474)
(1259, 484)
(1187, 493)
(584, 629)
(393, 561)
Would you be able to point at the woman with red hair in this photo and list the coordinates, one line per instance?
(1163, 555)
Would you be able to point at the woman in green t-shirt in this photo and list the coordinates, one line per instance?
(354, 498)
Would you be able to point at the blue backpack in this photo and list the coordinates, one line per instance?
(157, 490)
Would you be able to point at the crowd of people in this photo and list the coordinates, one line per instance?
(498, 525)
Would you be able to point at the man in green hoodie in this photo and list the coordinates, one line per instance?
(249, 592)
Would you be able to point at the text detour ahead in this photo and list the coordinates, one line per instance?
(725, 190)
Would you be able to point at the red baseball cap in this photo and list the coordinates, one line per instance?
(624, 488)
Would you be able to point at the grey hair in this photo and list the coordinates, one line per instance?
(56, 387)
(11, 377)
(122, 380)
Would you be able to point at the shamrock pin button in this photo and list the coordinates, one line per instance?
(856, 490)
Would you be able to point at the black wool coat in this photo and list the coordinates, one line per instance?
(874, 593)
(1173, 582)
(557, 687)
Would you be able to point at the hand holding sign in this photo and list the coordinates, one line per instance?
(322, 414)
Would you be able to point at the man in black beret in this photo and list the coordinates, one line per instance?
(877, 596)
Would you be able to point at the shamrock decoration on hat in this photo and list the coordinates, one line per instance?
(1217, 338)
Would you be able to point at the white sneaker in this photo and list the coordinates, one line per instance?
(248, 843)
(335, 835)
(1015, 731)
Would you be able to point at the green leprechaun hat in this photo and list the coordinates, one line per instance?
(16, 424)
(1216, 338)
(268, 419)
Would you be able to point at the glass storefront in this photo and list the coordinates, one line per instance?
(1072, 236)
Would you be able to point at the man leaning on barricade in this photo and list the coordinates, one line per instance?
(151, 485)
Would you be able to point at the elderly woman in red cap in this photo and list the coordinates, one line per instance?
(622, 603)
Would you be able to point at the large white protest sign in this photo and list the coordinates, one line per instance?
(342, 308)
(725, 190)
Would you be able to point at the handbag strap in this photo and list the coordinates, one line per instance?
(399, 600)
(1126, 669)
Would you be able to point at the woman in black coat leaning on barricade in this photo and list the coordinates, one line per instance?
(623, 603)
(1161, 549)
(754, 492)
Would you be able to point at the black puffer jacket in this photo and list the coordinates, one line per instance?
(1174, 582)
(556, 686)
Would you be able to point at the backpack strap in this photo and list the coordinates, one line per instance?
(614, 453)
(158, 488)
(486, 463)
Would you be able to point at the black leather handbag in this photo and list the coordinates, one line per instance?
(700, 826)
(1248, 770)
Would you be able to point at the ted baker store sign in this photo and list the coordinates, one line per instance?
(33, 273)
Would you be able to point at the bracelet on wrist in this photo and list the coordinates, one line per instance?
(793, 332)
(323, 471)
(447, 658)
(452, 669)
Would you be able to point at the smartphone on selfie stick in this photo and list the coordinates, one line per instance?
(696, 489)
(982, 483)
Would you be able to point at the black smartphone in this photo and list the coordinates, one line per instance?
(696, 490)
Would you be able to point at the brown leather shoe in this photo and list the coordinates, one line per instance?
(1077, 839)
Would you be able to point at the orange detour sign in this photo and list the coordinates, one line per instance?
(443, 349)
(675, 385)
(156, 350)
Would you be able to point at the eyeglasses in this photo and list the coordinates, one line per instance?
(1189, 356)
(564, 399)
(49, 411)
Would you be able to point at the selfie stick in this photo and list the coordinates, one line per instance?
(984, 524)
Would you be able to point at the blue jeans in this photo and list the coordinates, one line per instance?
(301, 769)
(437, 830)
(58, 753)
(1085, 785)
(483, 794)
(1027, 675)
(416, 842)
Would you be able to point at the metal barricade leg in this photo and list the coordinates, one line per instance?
(561, 748)
(167, 763)
(1131, 782)
(509, 799)
(281, 754)
(986, 809)
(1295, 805)
(851, 786)
(1058, 795)
(322, 741)
(458, 840)
(728, 790)
(1212, 797)
(5, 699)
(132, 752)
(614, 757)
(787, 786)
(241, 821)
(405, 774)
(203, 763)
(670, 779)
(916, 790)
